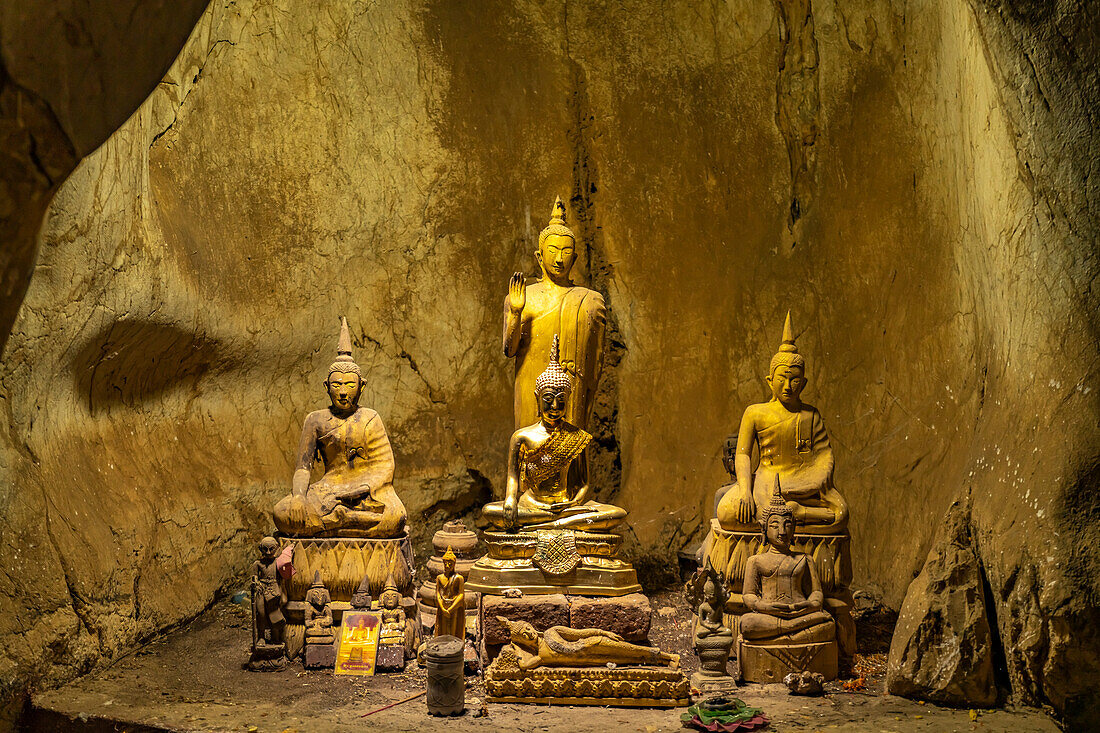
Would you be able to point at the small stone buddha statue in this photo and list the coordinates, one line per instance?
(355, 496)
(318, 613)
(782, 590)
(793, 446)
(547, 483)
(711, 638)
(395, 627)
(450, 600)
(549, 308)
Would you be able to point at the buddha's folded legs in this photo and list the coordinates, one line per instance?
(590, 516)
(314, 513)
(813, 627)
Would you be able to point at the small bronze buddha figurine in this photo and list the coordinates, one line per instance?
(782, 590)
(793, 446)
(355, 496)
(547, 484)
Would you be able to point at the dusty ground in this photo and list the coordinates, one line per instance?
(192, 680)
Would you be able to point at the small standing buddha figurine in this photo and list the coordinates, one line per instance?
(450, 600)
(355, 496)
(547, 483)
(552, 306)
(793, 446)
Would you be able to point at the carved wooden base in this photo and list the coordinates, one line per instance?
(553, 561)
(649, 687)
(768, 664)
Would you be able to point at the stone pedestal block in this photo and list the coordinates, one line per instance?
(542, 612)
(769, 664)
(628, 616)
(320, 656)
(391, 658)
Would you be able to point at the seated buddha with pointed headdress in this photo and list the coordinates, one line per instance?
(355, 496)
(793, 446)
(547, 485)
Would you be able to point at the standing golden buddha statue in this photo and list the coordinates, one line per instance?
(554, 306)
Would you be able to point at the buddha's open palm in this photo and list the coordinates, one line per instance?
(517, 292)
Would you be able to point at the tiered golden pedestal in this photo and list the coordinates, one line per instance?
(553, 561)
(343, 561)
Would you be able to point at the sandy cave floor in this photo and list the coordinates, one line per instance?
(192, 680)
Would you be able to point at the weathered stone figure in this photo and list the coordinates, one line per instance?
(268, 596)
(318, 613)
(547, 484)
(793, 446)
(355, 496)
(554, 306)
(782, 590)
(711, 638)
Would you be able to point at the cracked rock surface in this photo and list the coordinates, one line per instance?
(916, 185)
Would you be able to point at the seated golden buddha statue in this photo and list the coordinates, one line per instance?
(782, 590)
(547, 484)
(355, 496)
(793, 446)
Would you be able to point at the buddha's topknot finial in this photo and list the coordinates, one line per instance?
(344, 363)
(557, 223)
(788, 353)
(554, 375)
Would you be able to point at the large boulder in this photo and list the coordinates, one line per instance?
(942, 650)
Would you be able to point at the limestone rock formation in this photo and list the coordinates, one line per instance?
(943, 650)
(930, 175)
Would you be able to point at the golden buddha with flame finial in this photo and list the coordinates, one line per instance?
(554, 307)
(547, 484)
(793, 446)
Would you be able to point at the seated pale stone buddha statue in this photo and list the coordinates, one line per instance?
(355, 496)
(547, 485)
(782, 590)
(793, 446)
